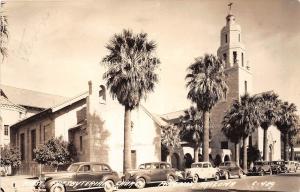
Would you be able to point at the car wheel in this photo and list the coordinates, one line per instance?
(217, 177)
(140, 183)
(170, 179)
(57, 187)
(226, 176)
(109, 186)
(195, 178)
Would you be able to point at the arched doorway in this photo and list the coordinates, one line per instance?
(175, 161)
(226, 158)
(218, 160)
(188, 160)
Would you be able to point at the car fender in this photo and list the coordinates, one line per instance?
(146, 177)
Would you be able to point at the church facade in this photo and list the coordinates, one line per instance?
(94, 123)
(239, 80)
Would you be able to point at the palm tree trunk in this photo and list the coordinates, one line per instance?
(237, 153)
(286, 146)
(127, 140)
(292, 153)
(245, 154)
(265, 149)
(196, 153)
(205, 146)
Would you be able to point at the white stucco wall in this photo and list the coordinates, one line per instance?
(111, 136)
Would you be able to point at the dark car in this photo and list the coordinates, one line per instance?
(261, 168)
(278, 167)
(229, 169)
(151, 173)
(80, 176)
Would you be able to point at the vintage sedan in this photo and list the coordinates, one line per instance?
(80, 176)
(230, 169)
(261, 168)
(278, 167)
(202, 170)
(153, 172)
(290, 166)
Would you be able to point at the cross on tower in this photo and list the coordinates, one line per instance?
(229, 7)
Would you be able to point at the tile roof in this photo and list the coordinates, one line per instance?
(31, 98)
(4, 102)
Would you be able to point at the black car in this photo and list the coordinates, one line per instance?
(229, 169)
(151, 173)
(278, 167)
(80, 176)
(261, 168)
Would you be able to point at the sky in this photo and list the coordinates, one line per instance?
(56, 46)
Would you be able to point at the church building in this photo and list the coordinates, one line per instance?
(239, 80)
(94, 123)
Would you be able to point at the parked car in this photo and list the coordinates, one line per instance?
(80, 176)
(153, 172)
(278, 167)
(229, 169)
(202, 170)
(290, 166)
(297, 164)
(261, 168)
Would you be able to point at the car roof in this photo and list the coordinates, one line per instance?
(161, 162)
(201, 162)
(89, 163)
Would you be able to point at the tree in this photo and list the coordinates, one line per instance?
(293, 138)
(10, 157)
(269, 104)
(170, 138)
(231, 128)
(54, 153)
(242, 120)
(191, 124)
(253, 153)
(206, 86)
(286, 122)
(130, 76)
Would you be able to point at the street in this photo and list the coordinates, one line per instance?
(289, 182)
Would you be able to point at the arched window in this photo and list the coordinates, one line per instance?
(102, 94)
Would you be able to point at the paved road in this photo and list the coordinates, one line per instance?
(284, 182)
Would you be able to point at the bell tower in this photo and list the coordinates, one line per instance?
(233, 52)
(239, 81)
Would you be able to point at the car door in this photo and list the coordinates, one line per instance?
(156, 172)
(84, 175)
(205, 172)
(165, 170)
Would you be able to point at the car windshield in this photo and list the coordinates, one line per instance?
(142, 166)
(258, 163)
(196, 165)
(286, 162)
(73, 168)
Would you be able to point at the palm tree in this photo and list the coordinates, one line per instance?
(286, 122)
(269, 104)
(191, 124)
(170, 138)
(293, 137)
(242, 120)
(130, 76)
(206, 86)
(231, 128)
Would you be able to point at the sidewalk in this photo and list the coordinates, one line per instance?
(23, 183)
